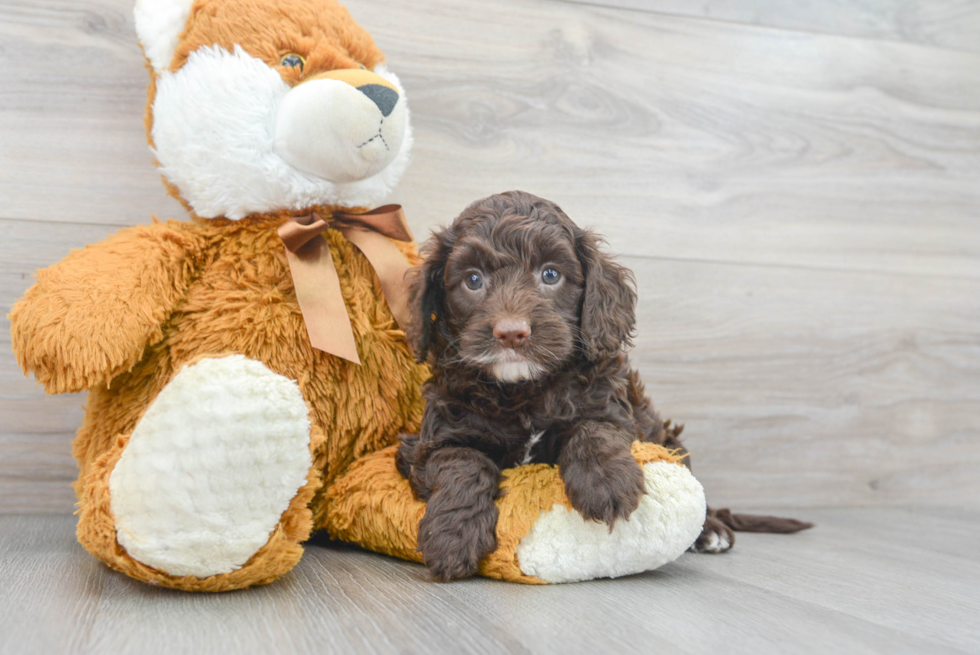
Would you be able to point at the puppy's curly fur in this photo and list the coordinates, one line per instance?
(525, 322)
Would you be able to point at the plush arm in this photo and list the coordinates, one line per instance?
(90, 316)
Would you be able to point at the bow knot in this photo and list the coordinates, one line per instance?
(315, 276)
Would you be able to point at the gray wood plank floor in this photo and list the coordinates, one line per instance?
(952, 24)
(863, 581)
(801, 209)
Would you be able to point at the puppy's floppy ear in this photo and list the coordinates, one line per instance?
(608, 313)
(428, 294)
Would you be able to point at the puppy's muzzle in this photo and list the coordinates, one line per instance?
(343, 125)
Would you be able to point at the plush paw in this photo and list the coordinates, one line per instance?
(605, 493)
(211, 467)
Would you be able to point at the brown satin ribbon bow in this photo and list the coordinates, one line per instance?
(315, 276)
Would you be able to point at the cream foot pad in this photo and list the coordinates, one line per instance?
(211, 467)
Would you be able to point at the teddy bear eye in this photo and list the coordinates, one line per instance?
(292, 59)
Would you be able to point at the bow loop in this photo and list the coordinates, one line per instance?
(388, 220)
(298, 231)
(315, 275)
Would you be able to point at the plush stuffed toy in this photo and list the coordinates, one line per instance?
(246, 370)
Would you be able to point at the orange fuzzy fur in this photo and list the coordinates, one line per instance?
(122, 317)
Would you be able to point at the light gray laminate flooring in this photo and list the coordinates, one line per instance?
(863, 581)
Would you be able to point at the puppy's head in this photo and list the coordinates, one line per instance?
(515, 289)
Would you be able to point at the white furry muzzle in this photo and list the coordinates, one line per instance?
(329, 128)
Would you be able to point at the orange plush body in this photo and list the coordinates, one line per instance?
(216, 437)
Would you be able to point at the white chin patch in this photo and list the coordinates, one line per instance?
(215, 123)
(211, 467)
(514, 371)
(563, 547)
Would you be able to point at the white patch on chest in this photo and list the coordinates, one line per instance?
(529, 446)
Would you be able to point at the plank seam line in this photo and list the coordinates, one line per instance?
(772, 28)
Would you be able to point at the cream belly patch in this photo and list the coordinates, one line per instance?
(211, 467)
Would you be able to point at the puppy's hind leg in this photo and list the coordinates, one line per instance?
(715, 537)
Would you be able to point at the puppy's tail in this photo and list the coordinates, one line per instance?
(756, 523)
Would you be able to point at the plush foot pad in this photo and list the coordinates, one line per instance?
(211, 467)
(562, 546)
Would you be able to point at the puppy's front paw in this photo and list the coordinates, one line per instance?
(716, 537)
(604, 492)
(454, 542)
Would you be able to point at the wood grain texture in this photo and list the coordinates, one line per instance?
(863, 581)
(72, 90)
(810, 387)
(677, 137)
(798, 386)
(700, 140)
(950, 24)
(801, 209)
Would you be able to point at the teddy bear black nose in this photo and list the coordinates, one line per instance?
(382, 96)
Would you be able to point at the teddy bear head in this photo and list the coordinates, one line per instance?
(259, 106)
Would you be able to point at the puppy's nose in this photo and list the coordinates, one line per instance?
(511, 333)
(382, 96)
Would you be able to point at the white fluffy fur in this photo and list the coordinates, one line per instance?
(529, 447)
(211, 467)
(158, 27)
(563, 547)
(213, 132)
(512, 371)
(331, 130)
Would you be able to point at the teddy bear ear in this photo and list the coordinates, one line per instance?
(158, 27)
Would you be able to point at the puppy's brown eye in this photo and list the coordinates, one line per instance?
(473, 282)
(292, 60)
(550, 276)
